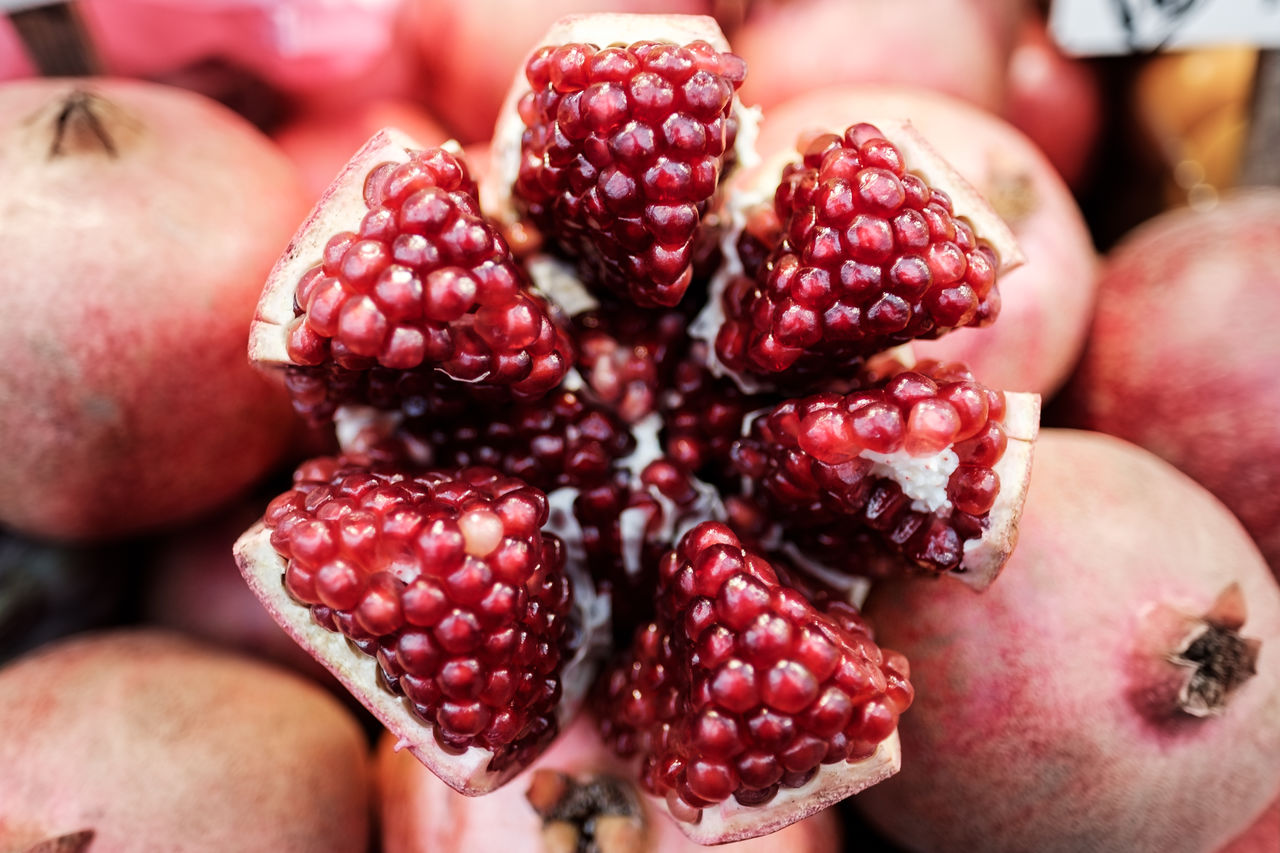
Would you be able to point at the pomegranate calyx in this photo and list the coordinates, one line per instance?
(71, 842)
(79, 126)
(1219, 659)
(599, 813)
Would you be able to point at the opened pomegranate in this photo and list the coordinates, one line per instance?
(144, 740)
(1156, 370)
(578, 796)
(534, 443)
(1112, 691)
(142, 220)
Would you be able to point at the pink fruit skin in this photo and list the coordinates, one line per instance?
(321, 141)
(126, 400)
(1262, 837)
(470, 62)
(1182, 355)
(1023, 735)
(1055, 100)
(158, 743)
(295, 45)
(1047, 302)
(420, 814)
(955, 47)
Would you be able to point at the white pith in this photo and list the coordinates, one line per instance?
(754, 187)
(732, 821)
(468, 772)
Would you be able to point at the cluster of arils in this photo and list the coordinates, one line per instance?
(707, 441)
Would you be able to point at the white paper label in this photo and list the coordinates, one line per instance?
(1095, 27)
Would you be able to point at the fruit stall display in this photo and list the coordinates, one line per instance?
(634, 425)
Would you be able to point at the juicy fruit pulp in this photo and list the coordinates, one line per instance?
(741, 688)
(447, 578)
(861, 255)
(622, 154)
(788, 696)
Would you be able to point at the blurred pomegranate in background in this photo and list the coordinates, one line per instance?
(959, 47)
(141, 221)
(1046, 303)
(1183, 352)
(1055, 100)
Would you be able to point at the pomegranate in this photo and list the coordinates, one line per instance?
(1196, 279)
(1114, 690)
(469, 61)
(1261, 837)
(576, 797)
(1055, 100)
(499, 392)
(437, 600)
(1046, 303)
(143, 740)
(320, 141)
(747, 707)
(125, 403)
(960, 48)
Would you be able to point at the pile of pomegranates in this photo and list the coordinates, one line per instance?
(664, 468)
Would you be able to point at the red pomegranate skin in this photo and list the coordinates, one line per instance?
(1263, 836)
(1026, 733)
(1046, 303)
(133, 268)
(1182, 354)
(155, 742)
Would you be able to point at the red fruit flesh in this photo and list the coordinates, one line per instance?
(1156, 372)
(397, 270)
(916, 460)
(452, 598)
(136, 252)
(747, 707)
(577, 796)
(1046, 303)
(869, 241)
(621, 156)
(149, 741)
(1103, 694)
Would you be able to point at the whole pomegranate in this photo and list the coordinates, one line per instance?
(956, 47)
(141, 222)
(1116, 690)
(1045, 304)
(143, 740)
(1180, 356)
(576, 796)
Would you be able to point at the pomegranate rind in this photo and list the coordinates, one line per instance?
(466, 772)
(340, 208)
(985, 557)
(731, 821)
(751, 187)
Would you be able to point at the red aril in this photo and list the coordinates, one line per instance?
(1180, 354)
(1046, 302)
(141, 221)
(129, 741)
(577, 793)
(1113, 689)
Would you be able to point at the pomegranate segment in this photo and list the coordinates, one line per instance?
(910, 466)
(746, 706)
(440, 588)
(398, 270)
